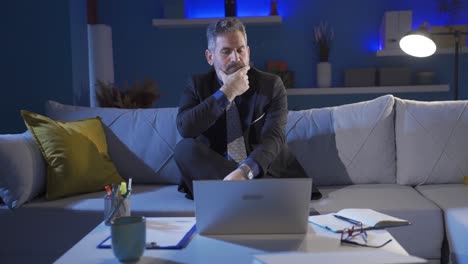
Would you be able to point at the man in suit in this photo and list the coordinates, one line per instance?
(233, 109)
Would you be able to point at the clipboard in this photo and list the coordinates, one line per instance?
(177, 231)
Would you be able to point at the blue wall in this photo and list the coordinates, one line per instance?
(36, 58)
(44, 53)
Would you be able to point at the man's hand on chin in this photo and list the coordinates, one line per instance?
(236, 175)
(235, 83)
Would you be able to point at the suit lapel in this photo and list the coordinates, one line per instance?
(247, 104)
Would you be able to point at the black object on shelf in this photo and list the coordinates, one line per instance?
(273, 7)
(230, 8)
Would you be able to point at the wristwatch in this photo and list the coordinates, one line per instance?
(248, 173)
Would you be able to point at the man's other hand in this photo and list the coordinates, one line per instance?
(236, 175)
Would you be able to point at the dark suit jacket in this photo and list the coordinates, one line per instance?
(263, 112)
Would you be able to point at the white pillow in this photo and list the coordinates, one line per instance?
(431, 141)
(347, 144)
(23, 169)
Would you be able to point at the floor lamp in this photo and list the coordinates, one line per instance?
(419, 43)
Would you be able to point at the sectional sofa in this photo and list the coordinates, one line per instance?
(400, 157)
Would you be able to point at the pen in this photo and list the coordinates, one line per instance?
(117, 191)
(322, 226)
(349, 220)
(130, 185)
(123, 188)
(108, 190)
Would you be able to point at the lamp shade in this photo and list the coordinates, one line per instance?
(418, 43)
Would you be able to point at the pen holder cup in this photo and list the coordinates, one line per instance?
(110, 203)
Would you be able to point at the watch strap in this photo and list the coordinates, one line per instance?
(248, 173)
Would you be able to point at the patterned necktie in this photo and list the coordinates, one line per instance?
(235, 140)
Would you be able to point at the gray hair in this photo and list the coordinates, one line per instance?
(222, 26)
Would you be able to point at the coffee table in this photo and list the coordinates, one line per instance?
(224, 249)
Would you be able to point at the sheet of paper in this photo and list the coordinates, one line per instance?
(348, 257)
(164, 232)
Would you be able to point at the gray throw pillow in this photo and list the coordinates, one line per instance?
(23, 173)
(431, 141)
(140, 141)
(347, 144)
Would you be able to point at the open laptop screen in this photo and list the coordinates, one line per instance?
(261, 206)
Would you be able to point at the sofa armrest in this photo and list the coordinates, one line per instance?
(23, 173)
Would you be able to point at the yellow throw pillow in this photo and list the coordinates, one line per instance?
(76, 155)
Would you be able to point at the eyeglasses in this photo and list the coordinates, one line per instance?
(356, 235)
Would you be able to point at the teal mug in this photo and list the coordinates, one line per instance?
(128, 237)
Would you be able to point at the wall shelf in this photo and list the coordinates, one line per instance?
(399, 52)
(370, 90)
(195, 22)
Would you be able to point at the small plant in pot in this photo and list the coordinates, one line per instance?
(323, 40)
(451, 8)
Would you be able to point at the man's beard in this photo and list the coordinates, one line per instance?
(233, 67)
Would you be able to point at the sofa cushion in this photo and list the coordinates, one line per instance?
(141, 141)
(431, 142)
(22, 176)
(75, 152)
(422, 238)
(453, 199)
(347, 144)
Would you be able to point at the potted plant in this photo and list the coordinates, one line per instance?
(142, 95)
(451, 8)
(323, 41)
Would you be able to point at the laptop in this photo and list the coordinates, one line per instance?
(261, 206)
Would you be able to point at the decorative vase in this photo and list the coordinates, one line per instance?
(323, 74)
(273, 7)
(230, 8)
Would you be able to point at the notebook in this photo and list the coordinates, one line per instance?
(260, 206)
(346, 218)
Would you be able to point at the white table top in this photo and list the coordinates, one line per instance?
(224, 249)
